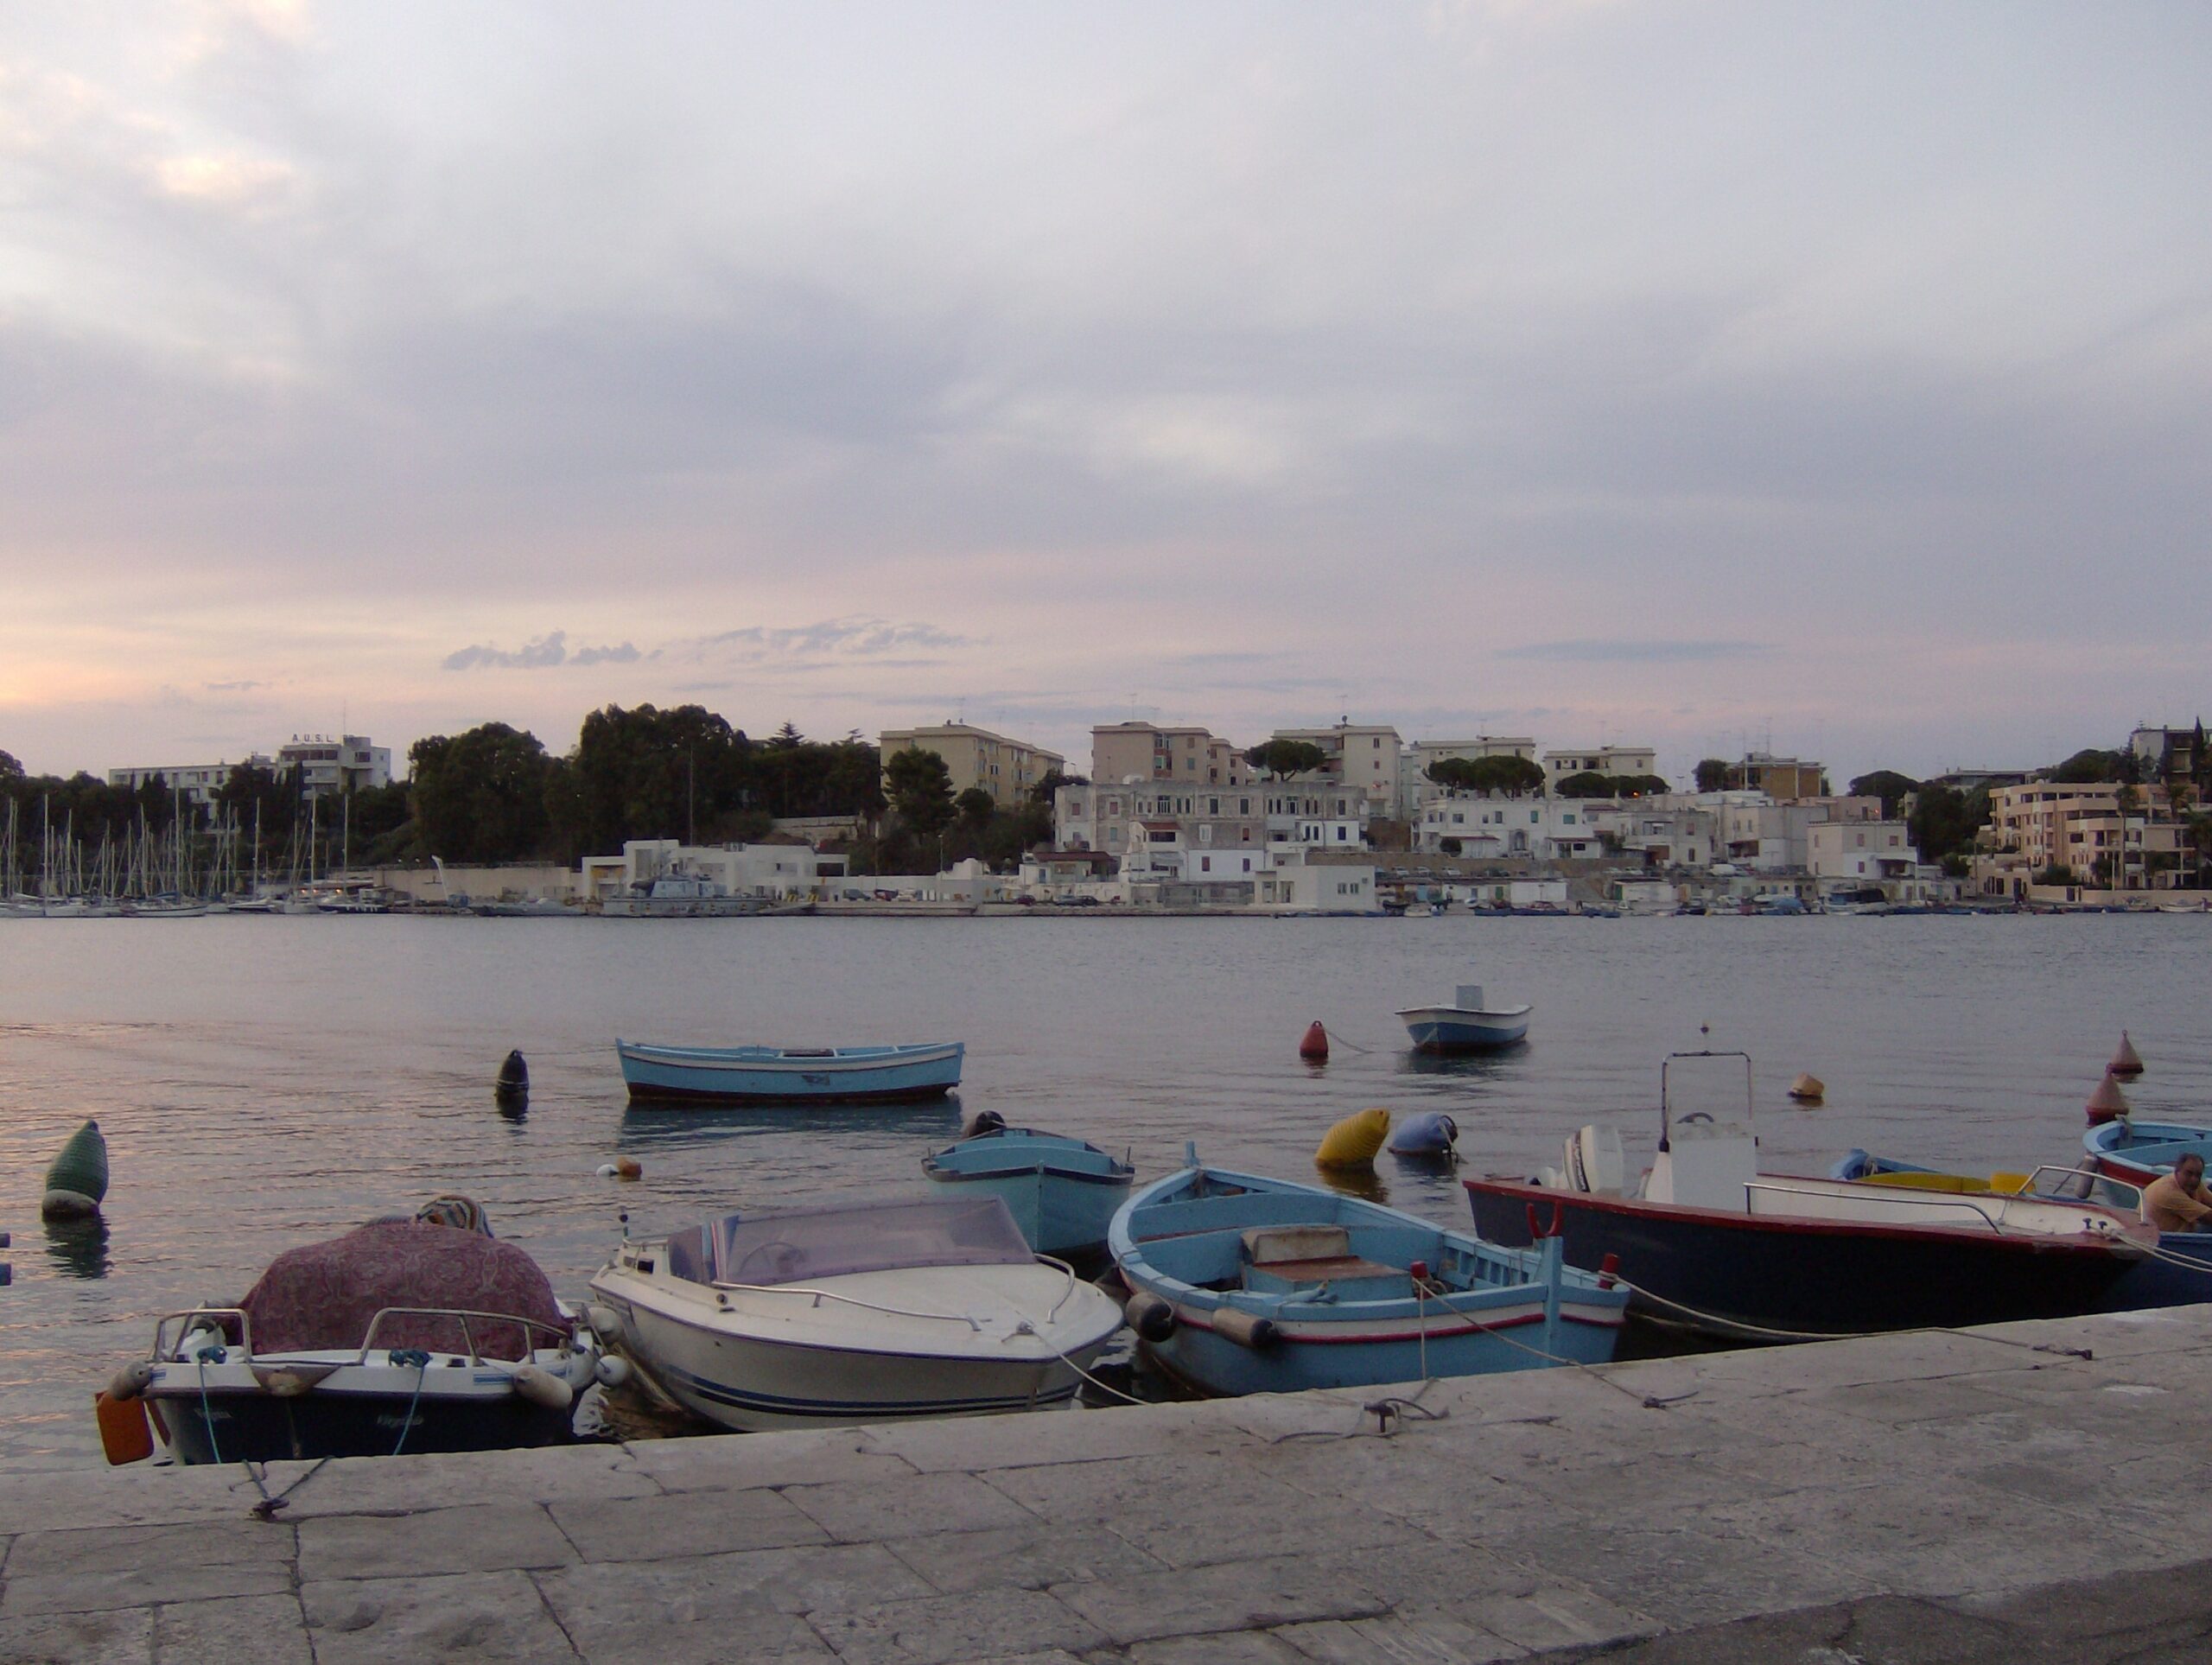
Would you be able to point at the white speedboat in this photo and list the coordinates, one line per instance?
(866, 1312)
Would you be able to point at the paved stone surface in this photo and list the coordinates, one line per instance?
(1981, 1496)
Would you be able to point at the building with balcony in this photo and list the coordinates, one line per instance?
(1126, 752)
(330, 767)
(1364, 755)
(1600, 759)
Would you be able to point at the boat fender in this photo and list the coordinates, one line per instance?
(605, 1322)
(68, 1206)
(612, 1372)
(125, 1436)
(1153, 1319)
(1314, 1047)
(1245, 1329)
(130, 1381)
(541, 1388)
(1353, 1141)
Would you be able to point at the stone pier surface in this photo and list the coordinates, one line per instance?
(1987, 1494)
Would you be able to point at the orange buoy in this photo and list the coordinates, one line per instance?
(124, 1436)
(2127, 1063)
(1314, 1049)
(2108, 1104)
(628, 1168)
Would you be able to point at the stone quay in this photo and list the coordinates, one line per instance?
(2021, 1492)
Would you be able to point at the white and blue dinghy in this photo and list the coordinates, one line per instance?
(753, 1075)
(1061, 1192)
(1243, 1284)
(1466, 1025)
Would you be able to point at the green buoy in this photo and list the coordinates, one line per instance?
(77, 1182)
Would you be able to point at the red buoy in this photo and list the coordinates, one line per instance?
(1314, 1049)
(2108, 1104)
(2127, 1063)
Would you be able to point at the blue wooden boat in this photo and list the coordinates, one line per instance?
(1246, 1285)
(1466, 1026)
(745, 1074)
(2138, 1152)
(1062, 1192)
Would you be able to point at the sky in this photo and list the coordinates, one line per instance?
(1831, 378)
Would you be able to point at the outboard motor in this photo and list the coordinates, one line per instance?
(982, 1122)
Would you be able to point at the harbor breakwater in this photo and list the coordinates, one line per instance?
(1990, 1495)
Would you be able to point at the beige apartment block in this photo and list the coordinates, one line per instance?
(1007, 769)
(1600, 760)
(1125, 752)
(2043, 823)
(1783, 779)
(1365, 755)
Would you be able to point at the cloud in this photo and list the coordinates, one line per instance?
(1623, 650)
(232, 687)
(857, 639)
(547, 650)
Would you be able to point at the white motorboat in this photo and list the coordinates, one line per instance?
(1465, 1026)
(877, 1312)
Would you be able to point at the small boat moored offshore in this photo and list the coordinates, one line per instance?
(1061, 1192)
(1467, 1026)
(2138, 1152)
(738, 1075)
(400, 1336)
(862, 1312)
(1248, 1285)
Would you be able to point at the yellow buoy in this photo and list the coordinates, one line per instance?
(1354, 1140)
(1809, 1089)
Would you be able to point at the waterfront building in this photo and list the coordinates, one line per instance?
(329, 767)
(1849, 856)
(1304, 881)
(1126, 752)
(1007, 769)
(195, 783)
(1600, 759)
(1492, 825)
(777, 871)
(2111, 837)
(1765, 837)
(1662, 837)
(1364, 755)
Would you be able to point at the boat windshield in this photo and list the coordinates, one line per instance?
(805, 1244)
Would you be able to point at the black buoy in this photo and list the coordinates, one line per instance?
(512, 1090)
(982, 1122)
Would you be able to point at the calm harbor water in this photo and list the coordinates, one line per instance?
(269, 1081)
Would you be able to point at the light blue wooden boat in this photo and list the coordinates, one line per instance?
(1245, 1285)
(2138, 1152)
(744, 1075)
(1061, 1192)
(1466, 1026)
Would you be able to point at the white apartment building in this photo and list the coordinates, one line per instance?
(1413, 783)
(328, 765)
(1850, 854)
(1600, 759)
(1764, 836)
(1364, 755)
(195, 783)
(1490, 825)
(1684, 836)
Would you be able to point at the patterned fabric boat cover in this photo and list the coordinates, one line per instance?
(323, 1295)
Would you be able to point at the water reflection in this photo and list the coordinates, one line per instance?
(78, 1248)
(1503, 1063)
(649, 1127)
(1363, 1183)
